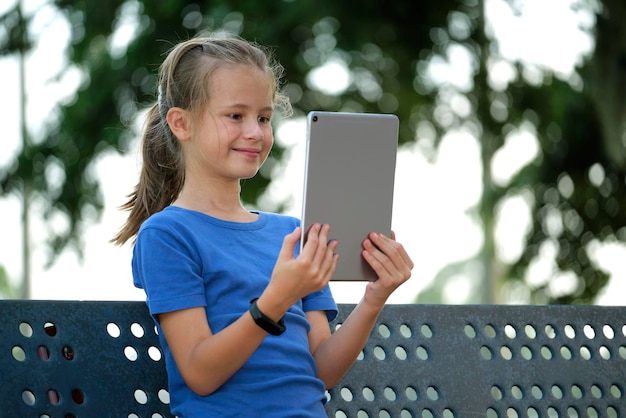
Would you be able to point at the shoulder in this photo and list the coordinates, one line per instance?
(278, 218)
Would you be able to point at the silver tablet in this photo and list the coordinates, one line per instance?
(348, 182)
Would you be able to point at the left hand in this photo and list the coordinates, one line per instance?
(391, 263)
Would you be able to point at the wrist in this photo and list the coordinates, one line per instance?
(268, 324)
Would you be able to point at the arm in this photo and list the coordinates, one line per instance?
(205, 359)
(334, 354)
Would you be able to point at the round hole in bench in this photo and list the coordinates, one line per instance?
(113, 330)
(340, 414)
(448, 413)
(622, 352)
(379, 353)
(553, 413)
(589, 332)
(405, 331)
(390, 394)
(137, 330)
(611, 412)
(516, 391)
(485, 352)
(592, 412)
(25, 329)
(154, 353)
(506, 352)
(427, 413)
(400, 353)
(50, 329)
(469, 331)
(616, 391)
(557, 392)
(28, 397)
(546, 352)
(527, 353)
(509, 331)
(492, 413)
(596, 391)
(572, 412)
(585, 353)
(130, 353)
(164, 396)
(43, 353)
(18, 353)
(53, 397)
(566, 353)
(536, 391)
(67, 352)
(550, 331)
(368, 394)
(141, 397)
(512, 413)
(346, 394)
(421, 353)
(496, 393)
(605, 353)
(569, 332)
(427, 332)
(490, 331)
(383, 330)
(532, 412)
(530, 331)
(432, 393)
(78, 396)
(577, 392)
(411, 393)
(608, 331)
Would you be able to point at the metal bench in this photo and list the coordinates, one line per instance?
(70, 359)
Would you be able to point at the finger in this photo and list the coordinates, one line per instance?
(312, 238)
(392, 248)
(289, 244)
(330, 262)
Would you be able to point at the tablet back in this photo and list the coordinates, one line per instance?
(348, 182)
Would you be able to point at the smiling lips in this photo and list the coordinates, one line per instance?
(250, 152)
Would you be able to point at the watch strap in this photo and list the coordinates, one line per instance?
(265, 322)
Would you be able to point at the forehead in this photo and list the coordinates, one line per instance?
(240, 78)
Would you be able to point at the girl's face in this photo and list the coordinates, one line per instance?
(233, 135)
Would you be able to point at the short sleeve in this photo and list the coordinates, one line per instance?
(321, 301)
(164, 266)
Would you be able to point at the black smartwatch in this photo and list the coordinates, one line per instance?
(272, 327)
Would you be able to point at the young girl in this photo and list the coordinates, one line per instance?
(243, 318)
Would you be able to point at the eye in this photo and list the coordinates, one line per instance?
(235, 116)
(265, 119)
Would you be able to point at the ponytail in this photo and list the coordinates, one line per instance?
(161, 178)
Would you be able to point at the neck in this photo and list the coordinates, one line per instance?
(220, 201)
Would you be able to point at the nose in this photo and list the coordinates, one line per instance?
(254, 130)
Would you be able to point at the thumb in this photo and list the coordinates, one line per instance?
(289, 244)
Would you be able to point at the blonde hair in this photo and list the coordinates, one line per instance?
(183, 83)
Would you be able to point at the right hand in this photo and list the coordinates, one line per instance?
(295, 278)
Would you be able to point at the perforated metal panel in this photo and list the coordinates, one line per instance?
(489, 361)
(101, 359)
(80, 360)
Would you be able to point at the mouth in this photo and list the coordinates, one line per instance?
(248, 152)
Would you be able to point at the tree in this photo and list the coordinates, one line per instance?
(387, 49)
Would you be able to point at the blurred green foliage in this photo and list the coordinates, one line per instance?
(386, 46)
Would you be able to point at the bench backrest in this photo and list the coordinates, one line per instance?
(102, 359)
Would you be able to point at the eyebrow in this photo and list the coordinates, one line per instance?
(245, 106)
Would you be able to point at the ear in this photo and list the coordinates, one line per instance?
(179, 121)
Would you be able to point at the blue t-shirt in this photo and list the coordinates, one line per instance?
(184, 259)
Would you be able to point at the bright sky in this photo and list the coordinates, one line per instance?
(431, 198)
